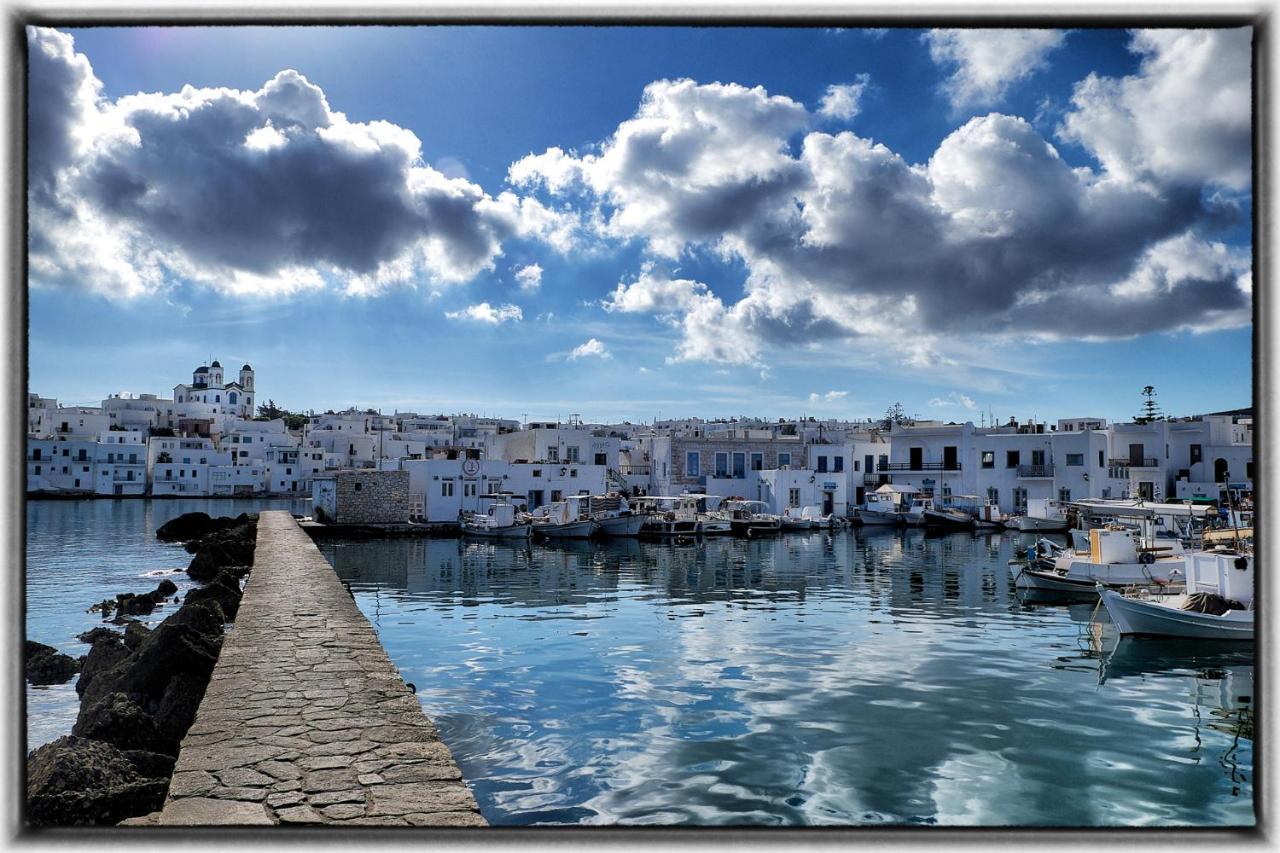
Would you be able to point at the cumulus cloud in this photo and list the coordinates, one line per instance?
(844, 100)
(592, 348)
(1184, 117)
(264, 191)
(841, 237)
(829, 397)
(529, 278)
(486, 313)
(984, 63)
(955, 398)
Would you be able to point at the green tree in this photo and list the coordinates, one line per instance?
(271, 411)
(1150, 408)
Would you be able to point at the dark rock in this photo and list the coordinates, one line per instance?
(74, 781)
(221, 550)
(166, 588)
(189, 525)
(224, 589)
(177, 710)
(134, 634)
(47, 665)
(106, 607)
(120, 721)
(107, 652)
(150, 764)
(131, 604)
(93, 635)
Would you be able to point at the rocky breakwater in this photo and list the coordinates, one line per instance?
(139, 689)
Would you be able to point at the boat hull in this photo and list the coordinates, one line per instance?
(797, 524)
(572, 530)
(875, 517)
(1151, 618)
(1028, 524)
(671, 528)
(755, 528)
(934, 518)
(621, 525)
(1042, 581)
(514, 531)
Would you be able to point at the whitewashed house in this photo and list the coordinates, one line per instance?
(446, 487)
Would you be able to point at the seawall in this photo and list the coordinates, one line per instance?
(306, 720)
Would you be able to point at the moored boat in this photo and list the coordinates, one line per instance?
(1217, 603)
(498, 521)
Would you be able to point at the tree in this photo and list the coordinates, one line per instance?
(271, 411)
(895, 414)
(294, 420)
(1150, 408)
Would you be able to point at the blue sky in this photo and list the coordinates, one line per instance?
(1034, 223)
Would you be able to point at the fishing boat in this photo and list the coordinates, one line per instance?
(712, 521)
(670, 516)
(793, 518)
(914, 515)
(884, 506)
(614, 517)
(1042, 516)
(1217, 603)
(1115, 556)
(750, 518)
(564, 519)
(498, 521)
(817, 519)
(949, 513)
(989, 516)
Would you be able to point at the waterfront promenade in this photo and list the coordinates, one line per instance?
(306, 720)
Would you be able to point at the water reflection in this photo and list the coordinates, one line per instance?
(848, 677)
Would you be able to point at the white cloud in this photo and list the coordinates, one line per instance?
(529, 277)
(955, 398)
(486, 313)
(986, 62)
(829, 397)
(1184, 117)
(592, 348)
(250, 192)
(654, 293)
(844, 100)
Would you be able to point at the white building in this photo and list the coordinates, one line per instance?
(449, 486)
(208, 394)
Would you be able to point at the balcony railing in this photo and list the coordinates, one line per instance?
(922, 466)
(873, 479)
(1144, 462)
(1035, 470)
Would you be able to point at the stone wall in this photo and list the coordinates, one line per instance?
(371, 497)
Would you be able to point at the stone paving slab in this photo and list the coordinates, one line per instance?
(306, 720)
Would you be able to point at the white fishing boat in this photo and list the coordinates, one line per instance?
(1043, 516)
(712, 520)
(989, 516)
(564, 519)
(670, 516)
(914, 515)
(793, 518)
(498, 521)
(750, 518)
(885, 506)
(1185, 522)
(614, 516)
(1115, 556)
(1216, 605)
(950, 512)
(818, 520)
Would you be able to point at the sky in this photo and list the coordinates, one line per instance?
(640, 222)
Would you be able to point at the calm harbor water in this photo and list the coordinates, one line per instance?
(80, 552)
(877, 677)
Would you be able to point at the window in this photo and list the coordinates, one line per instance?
(287, 471)
(1075, 459)
(692, 464)
(1064, 495)
(946, 491)
(84, 469)
(446, 489)
(358, 487)
(1011, 459)
(757, 461)
(469, 490)
(602, 459)
(1196, 454)
(1102, 460)
(555, 495)
(571, 454)
(722, 464)
(856, 463)
(839, 464)
(784, 460)
(739, 465)
(988, 459)
(537, 472)
(37, 469)
(993, 495)
(793, 498)
(1019, 500)
(573, 472)
(822, 465)
(883, 462)
(553, 454)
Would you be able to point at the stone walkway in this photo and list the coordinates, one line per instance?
(306, 720)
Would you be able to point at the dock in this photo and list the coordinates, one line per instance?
(306, 720)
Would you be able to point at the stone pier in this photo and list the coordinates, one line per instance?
(306, 720)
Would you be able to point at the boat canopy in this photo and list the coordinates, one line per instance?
(1142, 509)
(890, 489)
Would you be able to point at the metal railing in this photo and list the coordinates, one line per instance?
(1144, 462)
(922, 466)
(1035, 470)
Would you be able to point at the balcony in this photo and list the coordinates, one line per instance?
(1144, 462)
(1035, 471)
(874, 479)
(922, 466)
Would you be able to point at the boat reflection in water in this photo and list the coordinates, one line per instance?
(849, 677)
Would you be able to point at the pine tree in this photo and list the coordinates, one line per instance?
(1150, 408)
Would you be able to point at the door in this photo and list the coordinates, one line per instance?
(1135, 454)
(949, 458)
(868, 465)
(1220, 470)
(828, 503)
(917, 458)
(860, 495)
(535, 499)
(1146, 491)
